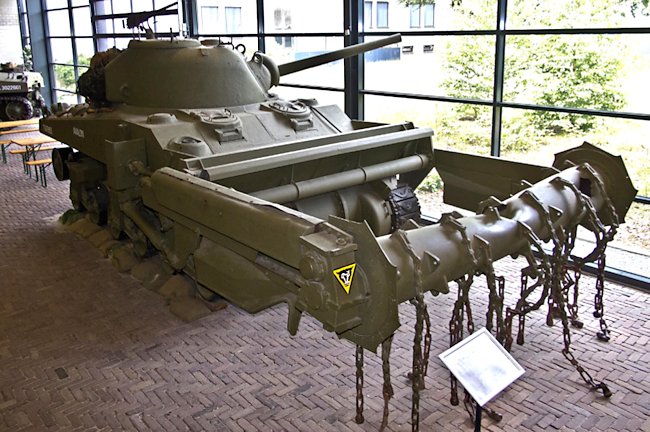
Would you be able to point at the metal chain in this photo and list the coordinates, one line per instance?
(501, 288)
(456, 325)
(591, 219)
(359, 362)
(388, 387)
(569, 283)
(427, 343)
(599, 307)
(522, 306)
(539, 269)
(564, 241)
(603, 237)
(420, 310)
(496, 296)
(609, 206)
(416, 374)
(566, 352)
(449, 220)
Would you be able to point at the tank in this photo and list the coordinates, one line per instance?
(20, 93)
(183, 149)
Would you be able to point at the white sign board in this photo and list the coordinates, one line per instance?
(482, 365)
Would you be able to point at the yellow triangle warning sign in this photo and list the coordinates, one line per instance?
(344, 275)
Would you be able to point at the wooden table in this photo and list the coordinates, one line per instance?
(31, 146)
(12, 124)
(33, 141)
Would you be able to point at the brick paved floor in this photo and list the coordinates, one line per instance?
(85, 348)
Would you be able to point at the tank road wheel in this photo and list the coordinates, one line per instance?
(59, 158)
(95, 200)
(18, 109)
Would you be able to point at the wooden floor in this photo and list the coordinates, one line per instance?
(83, 347)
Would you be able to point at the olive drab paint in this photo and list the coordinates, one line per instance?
(266, 201)
(263, 200)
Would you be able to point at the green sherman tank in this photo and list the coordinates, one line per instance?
(183, 149)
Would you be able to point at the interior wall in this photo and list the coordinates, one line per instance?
(10, 45)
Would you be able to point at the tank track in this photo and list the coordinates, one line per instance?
(404, 205)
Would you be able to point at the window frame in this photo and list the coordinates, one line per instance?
(238, 24)
(353, 30)
(432, 8)
(367, 13)
(415, 11)
(379, 24)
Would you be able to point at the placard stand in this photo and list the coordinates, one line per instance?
(483, 367)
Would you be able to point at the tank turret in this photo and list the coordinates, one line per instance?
(186, 73)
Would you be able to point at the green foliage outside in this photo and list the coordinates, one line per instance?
(65, 78)
(603, 72)
(581, 71)
(599, 72)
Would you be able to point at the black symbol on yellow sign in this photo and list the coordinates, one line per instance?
(344, 275)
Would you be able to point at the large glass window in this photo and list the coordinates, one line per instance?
(433, 65)
(367, 14)
(327, 75)
(415, 16)
(560, 87)
(574, 14)
(303, 17)
(110, 19)
(70, 39)
(452, 131)
(571, 70)
(24, 33)
(233, 20)
(209, 19)
(382, 14)
(429, 15)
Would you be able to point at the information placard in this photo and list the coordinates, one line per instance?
(482, 365)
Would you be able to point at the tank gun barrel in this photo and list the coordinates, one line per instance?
(349, 51)
(135, 19)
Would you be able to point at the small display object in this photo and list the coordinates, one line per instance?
(482, 366)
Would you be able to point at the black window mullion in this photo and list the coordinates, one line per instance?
(21, 23)
(261, 41)
(190, 16)
(353, 67)
(499, 65)
(94, 30)
(48, 49)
